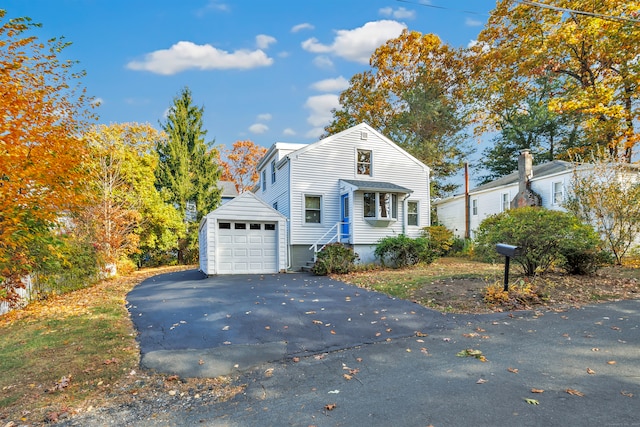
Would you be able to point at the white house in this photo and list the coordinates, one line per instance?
(547, 182)
(354, 187)
(244, 235)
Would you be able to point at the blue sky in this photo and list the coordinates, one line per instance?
(266, 71)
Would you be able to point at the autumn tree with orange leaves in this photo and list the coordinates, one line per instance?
(43, 111)
(241, 164)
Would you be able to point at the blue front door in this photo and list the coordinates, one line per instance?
(344, 218)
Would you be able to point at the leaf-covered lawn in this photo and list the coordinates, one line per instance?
(61, 356)
(458, 285)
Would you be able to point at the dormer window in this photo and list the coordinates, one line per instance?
(363, 165)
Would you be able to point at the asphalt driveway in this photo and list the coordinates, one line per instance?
(572, 367)
(197, 326)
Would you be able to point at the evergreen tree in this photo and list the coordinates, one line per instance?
(188, 168)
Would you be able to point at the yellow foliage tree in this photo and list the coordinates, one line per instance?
(589, 49)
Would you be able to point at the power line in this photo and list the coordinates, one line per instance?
(579, 12)
(433, 6)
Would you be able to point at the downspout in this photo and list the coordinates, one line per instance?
(467, 217)
(404, 214)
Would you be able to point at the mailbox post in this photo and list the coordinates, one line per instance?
(508, 251)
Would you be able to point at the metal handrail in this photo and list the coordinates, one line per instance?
(336, 236)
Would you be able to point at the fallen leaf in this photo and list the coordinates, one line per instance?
(421, 334)
(330, 406)
(296, 359)
(471, 335)
(173, 378)
(595, 349)
(347, 377)
(358, 359)
(267, 327)
(532, 401)
(408, 350)
(611, 362)
(319, 356)
(590, 371)
(513, 370)
(318, 322)
(481, 381)
(333, 332)
(378, 334)
(309, 312)
(268, 373)
(537, 390)
(226, 328)
(615, 328)
(574, 392)
(200, 362)
(626, 393)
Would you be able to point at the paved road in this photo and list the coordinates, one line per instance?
(586, 361)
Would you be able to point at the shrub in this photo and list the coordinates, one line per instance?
(440, 239)
(401, 251)
(546, 237)
(335, 258)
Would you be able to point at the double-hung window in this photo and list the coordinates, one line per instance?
(557, 190)
(363, 165)
(380, 205)
(412, 213)
(505, 203)
(273, 171)
(312, 209)
(474, 207)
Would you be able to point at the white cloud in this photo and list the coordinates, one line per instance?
(258, 128)
(399, 13)
(289, 132)
(263, 41)
(470, 22)
(320, 107)
(186, 55)
(213, 5)
(315, 133)
(358, 44)
(331, 85)
(323, 62)
(265, 117)
(300, 27)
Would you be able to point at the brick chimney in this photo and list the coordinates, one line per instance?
(525, 196)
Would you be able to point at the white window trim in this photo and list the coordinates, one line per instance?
(304, 210)
(553, 193)
(417, 202)
(370, 162)
(505, 204)
(377, 207)
(273, 171)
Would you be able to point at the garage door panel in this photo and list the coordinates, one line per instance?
(246, 247)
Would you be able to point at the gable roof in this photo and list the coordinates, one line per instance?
(246, 206)
(539, 171)
(228, 188)
(360, 127)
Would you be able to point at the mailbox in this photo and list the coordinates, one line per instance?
(508, 250)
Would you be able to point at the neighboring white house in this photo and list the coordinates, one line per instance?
(244, 235)
(548, 181)
(228, 191)
(354, 187)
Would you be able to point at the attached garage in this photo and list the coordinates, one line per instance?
(243, 236)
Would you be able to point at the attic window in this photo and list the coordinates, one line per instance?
(364, 135)
(363, 166)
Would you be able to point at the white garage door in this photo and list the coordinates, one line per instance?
(247, 247)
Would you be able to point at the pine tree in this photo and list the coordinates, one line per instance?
(188, 168)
